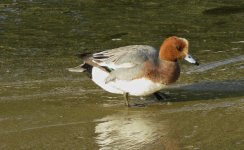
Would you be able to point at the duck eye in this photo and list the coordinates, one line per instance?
(178, 48)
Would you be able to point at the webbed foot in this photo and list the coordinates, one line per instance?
(161, 96)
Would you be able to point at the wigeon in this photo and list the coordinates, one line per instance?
(138, 70)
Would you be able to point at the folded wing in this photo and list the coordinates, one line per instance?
(124, 63)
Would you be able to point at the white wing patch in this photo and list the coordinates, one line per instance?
(116, 66)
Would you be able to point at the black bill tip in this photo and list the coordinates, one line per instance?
(197, 64)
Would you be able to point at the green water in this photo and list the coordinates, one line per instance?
(43, 106)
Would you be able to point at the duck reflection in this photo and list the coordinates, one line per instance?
(133, 130)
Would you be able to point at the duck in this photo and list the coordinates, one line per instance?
(136, 70)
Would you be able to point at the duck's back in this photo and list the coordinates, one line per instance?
(126, 56)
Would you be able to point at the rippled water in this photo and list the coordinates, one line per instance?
(43, 106)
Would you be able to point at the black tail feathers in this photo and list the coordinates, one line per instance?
(83, 55)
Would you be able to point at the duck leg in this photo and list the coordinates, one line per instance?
(161, 96)
(126, 97)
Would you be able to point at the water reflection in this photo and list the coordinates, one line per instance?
(14, 1)
(134, 130)
(224, 10)
(206, 91)
(212, 65)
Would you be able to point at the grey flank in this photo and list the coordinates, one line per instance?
(124, 73)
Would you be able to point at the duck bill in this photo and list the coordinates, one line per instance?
(191, 60)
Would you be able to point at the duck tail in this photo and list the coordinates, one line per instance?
(83, 67)
(79, 68)
(87, 65)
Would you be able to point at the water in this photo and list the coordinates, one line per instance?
(43, 106)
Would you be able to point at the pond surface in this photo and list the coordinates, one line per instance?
(43, 106)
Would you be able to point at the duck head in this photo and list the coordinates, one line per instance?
(174, 48)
